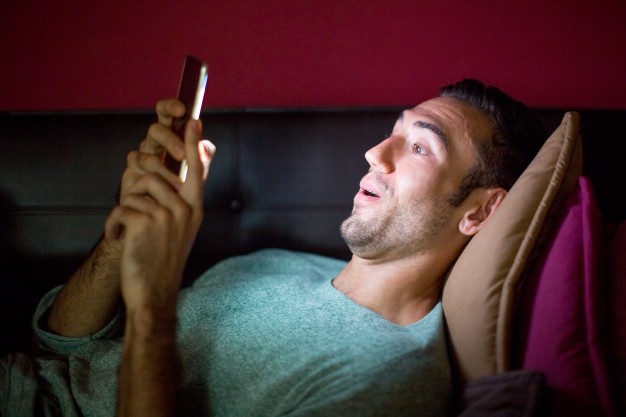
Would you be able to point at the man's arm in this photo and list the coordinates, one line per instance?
(90, 298)
(149, 368)
(159, 221)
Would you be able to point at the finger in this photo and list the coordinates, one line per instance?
(168, 109)
(123, 220)
(114, 224)
(140, 163)
(207, 152)
(153, 187)
(198, 155)
(161, 138)
(140, 203)
(148, 199)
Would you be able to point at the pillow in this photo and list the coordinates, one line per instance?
(509, 394)
(481, 288)
(617, 312)
(562, 323)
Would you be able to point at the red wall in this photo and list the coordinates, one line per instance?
(68, 54)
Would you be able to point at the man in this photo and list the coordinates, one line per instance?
(277, 332)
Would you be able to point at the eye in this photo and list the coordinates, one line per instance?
(417, 149)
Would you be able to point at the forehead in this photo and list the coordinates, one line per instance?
(457, 120)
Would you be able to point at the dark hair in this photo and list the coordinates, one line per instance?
(516, 139)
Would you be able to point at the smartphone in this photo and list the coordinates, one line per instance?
(190, 92)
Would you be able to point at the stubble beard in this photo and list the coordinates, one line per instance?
(412, 230)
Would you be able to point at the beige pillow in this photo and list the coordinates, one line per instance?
(482, 286)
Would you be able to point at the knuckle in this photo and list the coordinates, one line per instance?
(162, 215)
(153, 131)
(142, 224)
(132, 157)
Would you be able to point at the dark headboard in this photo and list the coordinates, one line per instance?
(281, 177)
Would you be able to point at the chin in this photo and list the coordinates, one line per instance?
(359, 238)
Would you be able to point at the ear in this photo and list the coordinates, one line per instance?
(484, 204)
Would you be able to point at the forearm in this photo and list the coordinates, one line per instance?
(160, 217)
(149, 368)
(89, 300)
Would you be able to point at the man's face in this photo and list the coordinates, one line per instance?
(402, 205)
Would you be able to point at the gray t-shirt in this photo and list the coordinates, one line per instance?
(264, 334)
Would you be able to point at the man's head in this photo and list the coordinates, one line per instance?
(441, 173)
(515, 140)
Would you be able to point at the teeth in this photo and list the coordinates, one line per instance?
(369, 193)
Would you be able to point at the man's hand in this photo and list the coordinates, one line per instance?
(160, 140)
(157, 221)
(90, 297)
(158, 216)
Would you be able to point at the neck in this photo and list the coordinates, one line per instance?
(402, 291)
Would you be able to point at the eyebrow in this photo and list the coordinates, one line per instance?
(430, 126)
(435, 129)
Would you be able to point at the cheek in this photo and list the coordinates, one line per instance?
(429, 179)
(454, 176)
(416, 193)
(423, 185)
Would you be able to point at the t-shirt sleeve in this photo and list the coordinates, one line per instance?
(48, 342)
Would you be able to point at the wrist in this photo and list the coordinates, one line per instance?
(151, 322)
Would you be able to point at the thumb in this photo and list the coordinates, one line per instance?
(199, 154)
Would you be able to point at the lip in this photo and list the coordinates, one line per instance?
(367, 193)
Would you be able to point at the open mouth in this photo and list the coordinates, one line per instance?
(370, 190)
(369, 193)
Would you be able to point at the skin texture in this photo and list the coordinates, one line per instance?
(403, 233)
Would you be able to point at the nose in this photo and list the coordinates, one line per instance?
(382, 156)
